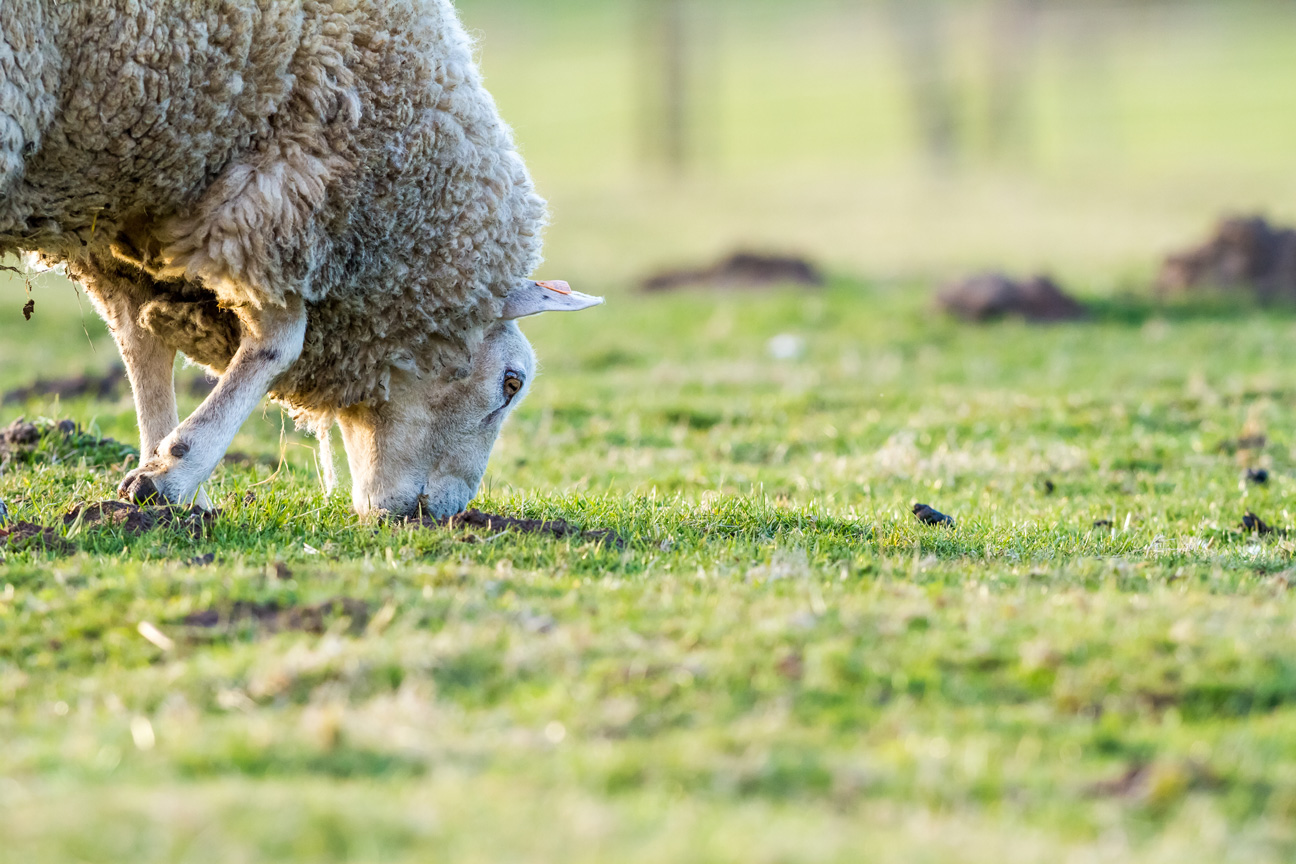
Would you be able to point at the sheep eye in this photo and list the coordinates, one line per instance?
(512, 384)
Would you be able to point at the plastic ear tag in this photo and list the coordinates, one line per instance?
(558, 286)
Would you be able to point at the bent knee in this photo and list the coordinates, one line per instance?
(279, 341)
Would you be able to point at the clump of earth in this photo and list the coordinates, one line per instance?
(1245, 254)
(494, 524)
(740, 271)
(990, 296)
(51, 442)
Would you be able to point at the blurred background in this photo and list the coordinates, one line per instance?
(895, 138)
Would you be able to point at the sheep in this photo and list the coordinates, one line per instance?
(313, 199)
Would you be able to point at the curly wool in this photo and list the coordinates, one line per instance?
(228, 153)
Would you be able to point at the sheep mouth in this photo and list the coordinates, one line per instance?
(419, 511)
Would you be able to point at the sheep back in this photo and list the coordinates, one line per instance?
(340, 150)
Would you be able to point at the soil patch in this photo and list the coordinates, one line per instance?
(129, 518)
(1253, 524)
(28, 535)
(930, 516)
(1243, 254)
(313, 618)
(107, 385)
(742, 270)
(989, 296)
(48, 441)
(134, 520)
(495, 524)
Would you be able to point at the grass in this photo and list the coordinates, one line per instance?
(781, 665)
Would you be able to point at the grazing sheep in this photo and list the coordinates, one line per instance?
(314, 199)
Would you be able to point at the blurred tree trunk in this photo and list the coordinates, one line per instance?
(921, 31)
(667, 73)
(1014, 36)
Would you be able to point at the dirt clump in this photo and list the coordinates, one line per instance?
(930, 516)
(495, 524)
(1244, 253)
(313, 618)
(742, 270)
(28, 535)
(20, 435)
(52, 442)
(106, 385)
(134, 520)
(990, 296)
(1253, 524)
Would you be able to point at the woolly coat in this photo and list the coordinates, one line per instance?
(205, 155)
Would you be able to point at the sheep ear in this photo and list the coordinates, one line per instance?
(532, 298)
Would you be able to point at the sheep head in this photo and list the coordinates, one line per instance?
(425, 449)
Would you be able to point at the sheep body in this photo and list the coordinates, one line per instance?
(215, 154)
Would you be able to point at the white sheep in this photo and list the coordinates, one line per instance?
(314, 199)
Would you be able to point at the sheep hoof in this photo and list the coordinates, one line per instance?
(139, 487)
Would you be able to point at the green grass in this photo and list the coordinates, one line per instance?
(781, 665)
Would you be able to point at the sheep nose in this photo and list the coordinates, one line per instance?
(445, 496)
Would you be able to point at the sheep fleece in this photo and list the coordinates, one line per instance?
(204, 155)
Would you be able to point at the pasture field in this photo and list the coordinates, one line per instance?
(772, 660)
(781, 664)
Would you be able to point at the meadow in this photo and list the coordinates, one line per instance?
(769, 659)
(781, 664)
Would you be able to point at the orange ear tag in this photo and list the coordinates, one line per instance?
(557, 286)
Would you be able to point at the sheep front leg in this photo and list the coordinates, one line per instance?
(271, 342)
(118, 293)
(150, 366)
